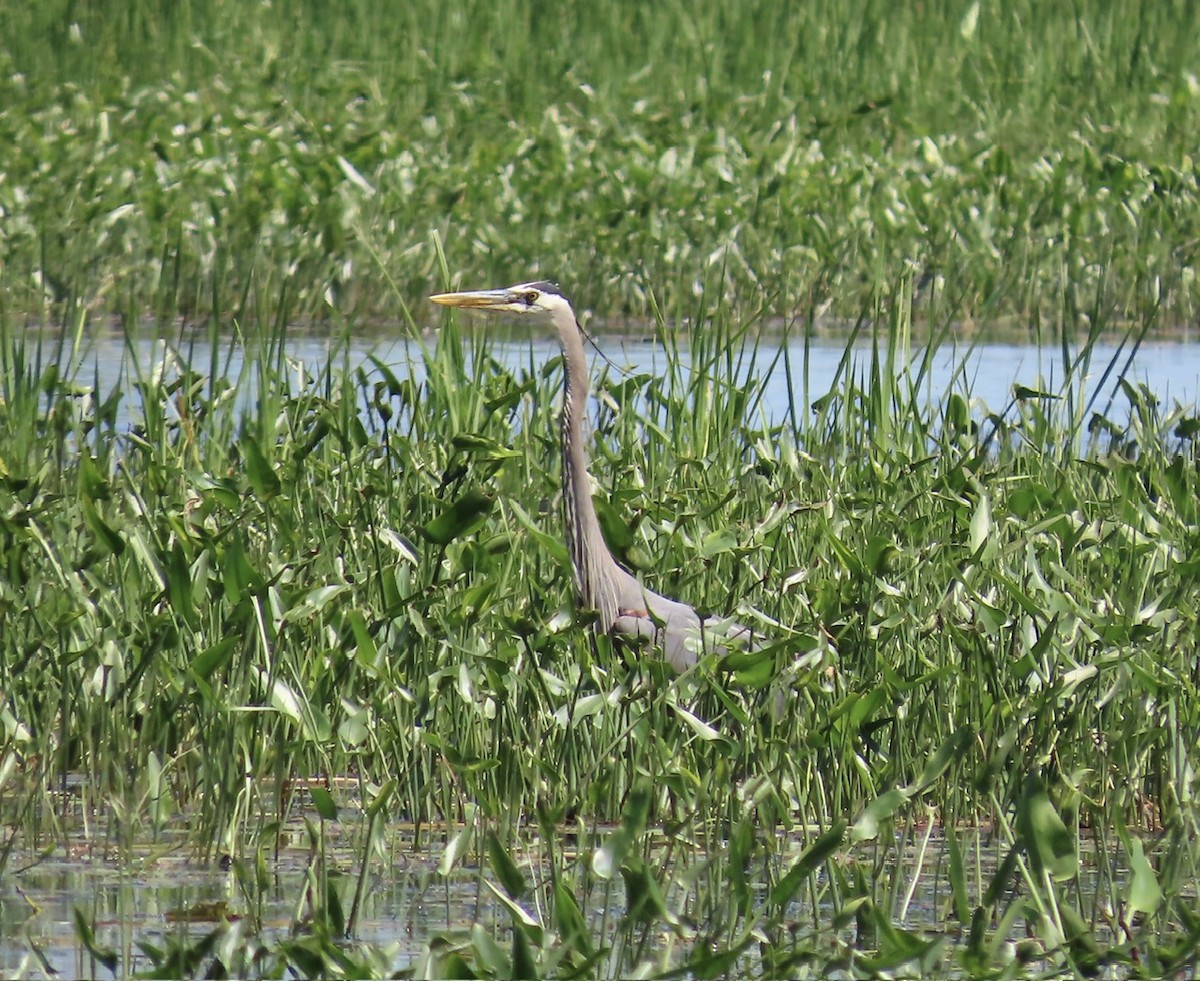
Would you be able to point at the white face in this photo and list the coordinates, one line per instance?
(532, 301)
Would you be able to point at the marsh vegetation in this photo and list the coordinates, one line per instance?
(345, 599)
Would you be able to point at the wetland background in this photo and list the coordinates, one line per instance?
(264, 616)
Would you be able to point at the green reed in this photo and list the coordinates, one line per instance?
(972, 616)
(224, 573)
(254, 163)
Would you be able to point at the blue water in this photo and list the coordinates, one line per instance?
(985, 373)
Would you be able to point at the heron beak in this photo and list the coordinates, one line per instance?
(475, 300)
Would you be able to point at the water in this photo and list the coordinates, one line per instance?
(985, 372)
(158, 891)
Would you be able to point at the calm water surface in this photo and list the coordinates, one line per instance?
(149, 892)
(986, 372)
(145, 893)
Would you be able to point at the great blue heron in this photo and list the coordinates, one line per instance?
(622, 604)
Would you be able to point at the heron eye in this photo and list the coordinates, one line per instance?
(530, 298)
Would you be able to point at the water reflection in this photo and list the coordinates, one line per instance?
(156, 891)
(144, 894)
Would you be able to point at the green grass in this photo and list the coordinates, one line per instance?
(979, 618)
(243, 162)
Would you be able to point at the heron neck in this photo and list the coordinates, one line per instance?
(591, 561)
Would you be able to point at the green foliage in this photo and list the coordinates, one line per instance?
(979, 616)
(242, 162)
(224, 573)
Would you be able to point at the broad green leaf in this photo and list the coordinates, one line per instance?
(523, 961)
(897, 947)
(464, 516)
(1047, 841)
(521, 918)
(364, 645)
(459, 844)
(616, 532)
(211, 658)
(483, 447)
(504, 867)
(179, 584)
(568, 917)
(111, 541)
(950, 751)
(981, 524)
(1144, 895)
(866, 828)
(958, 878)
(323, 801)
(699, 726)
(87, 936)
(263, 480)
(381, 798)
(717, 543)
(283, 699)
(750, 669)
(237, 575)
(490, 954)
(1002, 878)
(644, 900)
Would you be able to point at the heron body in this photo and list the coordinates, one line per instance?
(623, 606)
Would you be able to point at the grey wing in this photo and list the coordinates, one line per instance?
(675, 627)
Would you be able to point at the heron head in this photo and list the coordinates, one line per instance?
(538, 302)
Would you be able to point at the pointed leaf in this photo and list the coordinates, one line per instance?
(1047, 841)
(1145, 895)
(879, 810)
(505, 868)
(463, 517)
(263, 480)
(323, 801)
(810, 859)
(950, 751)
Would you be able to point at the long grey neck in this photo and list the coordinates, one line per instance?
(595, 570)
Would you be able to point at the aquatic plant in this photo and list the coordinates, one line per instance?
(241, 587)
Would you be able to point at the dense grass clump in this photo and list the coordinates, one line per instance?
(976, 619)
(238, 159)
(227, 572)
